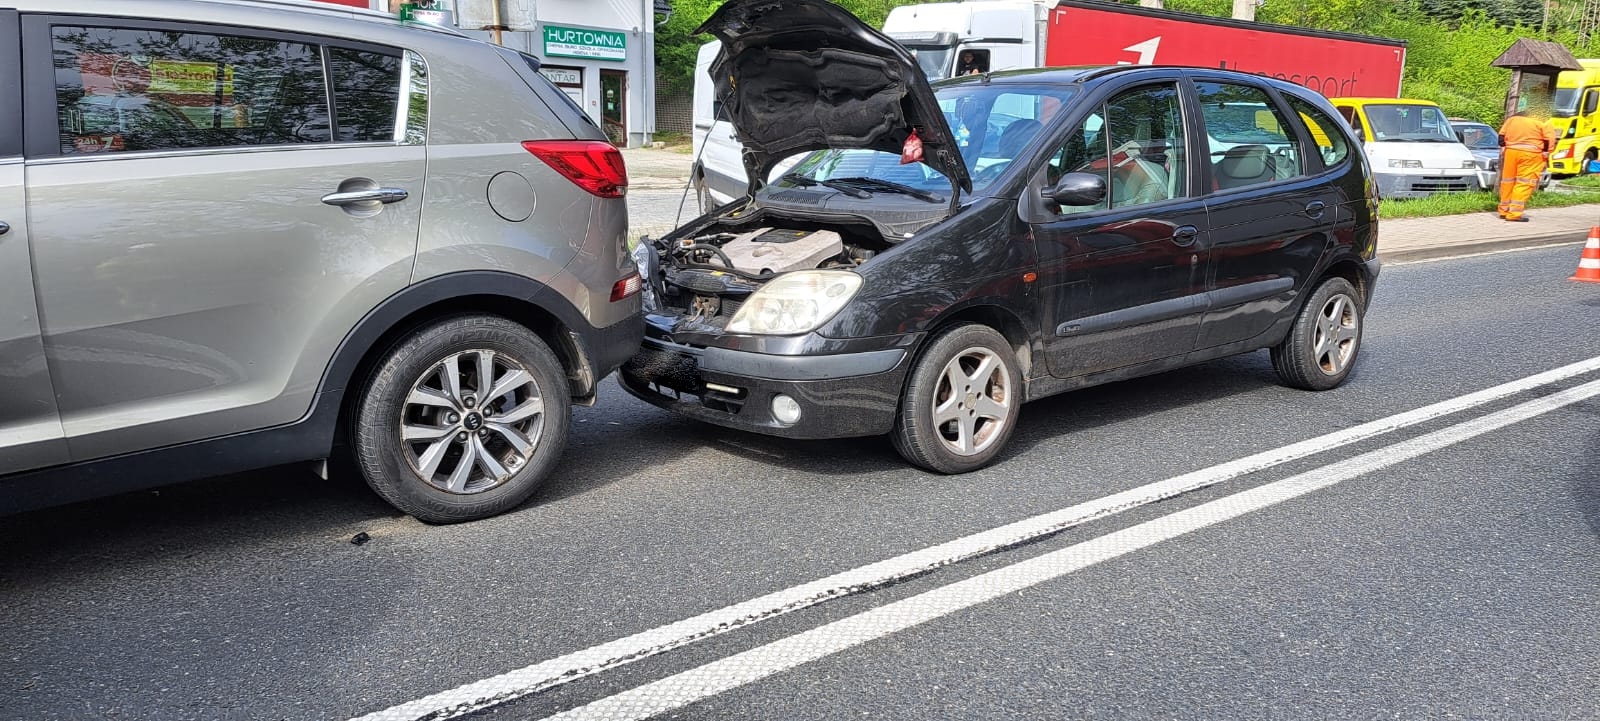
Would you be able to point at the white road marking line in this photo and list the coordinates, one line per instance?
(731, 672)
(562, 669)
(1502, 251)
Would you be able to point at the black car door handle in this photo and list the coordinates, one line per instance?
(1315, 208)
(4, 227)
(1185, 235)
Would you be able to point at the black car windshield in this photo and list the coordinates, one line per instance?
(1565, 102)
(1478, 135)
(992, 125)
(1409, 124)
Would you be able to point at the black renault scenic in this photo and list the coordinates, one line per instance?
(941, 256)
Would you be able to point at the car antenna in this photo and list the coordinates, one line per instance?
(722, 114)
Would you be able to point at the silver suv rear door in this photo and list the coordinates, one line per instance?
(205, 230)
(30, 429)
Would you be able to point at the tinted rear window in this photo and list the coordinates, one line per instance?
(128, 89)
(366, 92)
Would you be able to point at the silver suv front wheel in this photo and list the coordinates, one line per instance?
(463, 419)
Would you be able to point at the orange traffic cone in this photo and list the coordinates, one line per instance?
(1589, 264)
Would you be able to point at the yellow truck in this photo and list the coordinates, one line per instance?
(1576, 116)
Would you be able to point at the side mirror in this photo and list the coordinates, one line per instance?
(1077, 189)
(1591, 102)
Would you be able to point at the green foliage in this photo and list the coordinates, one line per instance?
(1450, 65)
(1459, 203)
(1450, 43)
(677, 45)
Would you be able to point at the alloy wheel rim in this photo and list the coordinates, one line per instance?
(1338, 331)
(972, 402)
(471, 421)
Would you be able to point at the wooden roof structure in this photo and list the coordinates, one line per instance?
(1540, 57)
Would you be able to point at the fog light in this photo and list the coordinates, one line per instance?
(785, 409)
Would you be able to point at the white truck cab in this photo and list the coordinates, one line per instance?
(957, 38)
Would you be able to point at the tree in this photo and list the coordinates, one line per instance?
(677, 46)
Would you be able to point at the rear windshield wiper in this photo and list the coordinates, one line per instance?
(892, 187)
(805, 182)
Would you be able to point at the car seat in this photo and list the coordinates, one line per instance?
(1245, 165)
(1017, 136)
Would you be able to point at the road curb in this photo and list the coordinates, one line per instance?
(657, 183)
(1432, 252)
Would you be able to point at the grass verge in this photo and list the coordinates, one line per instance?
(1459, 203)
(1582, 181)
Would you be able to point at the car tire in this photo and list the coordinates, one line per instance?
(1325, 340)
(962, 402)
(432, 447)
(702, 196)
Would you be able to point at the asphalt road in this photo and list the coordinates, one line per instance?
(1459, 582)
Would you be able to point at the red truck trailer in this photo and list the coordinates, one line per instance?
(1005, 34)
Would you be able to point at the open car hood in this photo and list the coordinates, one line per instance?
(800, 75)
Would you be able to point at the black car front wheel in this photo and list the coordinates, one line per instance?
(961, 405)
(1322, 346)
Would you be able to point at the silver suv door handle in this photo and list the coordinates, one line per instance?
(375, 195)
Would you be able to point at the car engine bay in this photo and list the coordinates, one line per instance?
(706, 277)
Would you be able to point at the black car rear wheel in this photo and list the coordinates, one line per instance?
(1322, 346)
(961, 405)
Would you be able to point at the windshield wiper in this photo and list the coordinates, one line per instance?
(806, 182)
(892, 187)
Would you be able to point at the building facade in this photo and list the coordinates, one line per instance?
(601, 53)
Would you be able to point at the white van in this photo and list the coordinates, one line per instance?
(1413, 148)
(718, 173)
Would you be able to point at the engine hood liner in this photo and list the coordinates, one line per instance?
(800, 75)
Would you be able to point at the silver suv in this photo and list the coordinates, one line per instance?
(238, 234)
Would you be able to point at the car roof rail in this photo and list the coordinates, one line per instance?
(332, 10)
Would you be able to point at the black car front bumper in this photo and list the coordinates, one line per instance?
(840, 395)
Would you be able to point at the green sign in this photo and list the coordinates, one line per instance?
(580, 43)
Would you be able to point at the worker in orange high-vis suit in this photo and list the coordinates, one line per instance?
(1526, 141)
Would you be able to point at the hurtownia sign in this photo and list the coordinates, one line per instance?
(580, 43)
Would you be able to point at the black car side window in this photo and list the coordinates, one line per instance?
(1251, 141)
(1324, 132)
(1148, 161)
(1085, 151)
